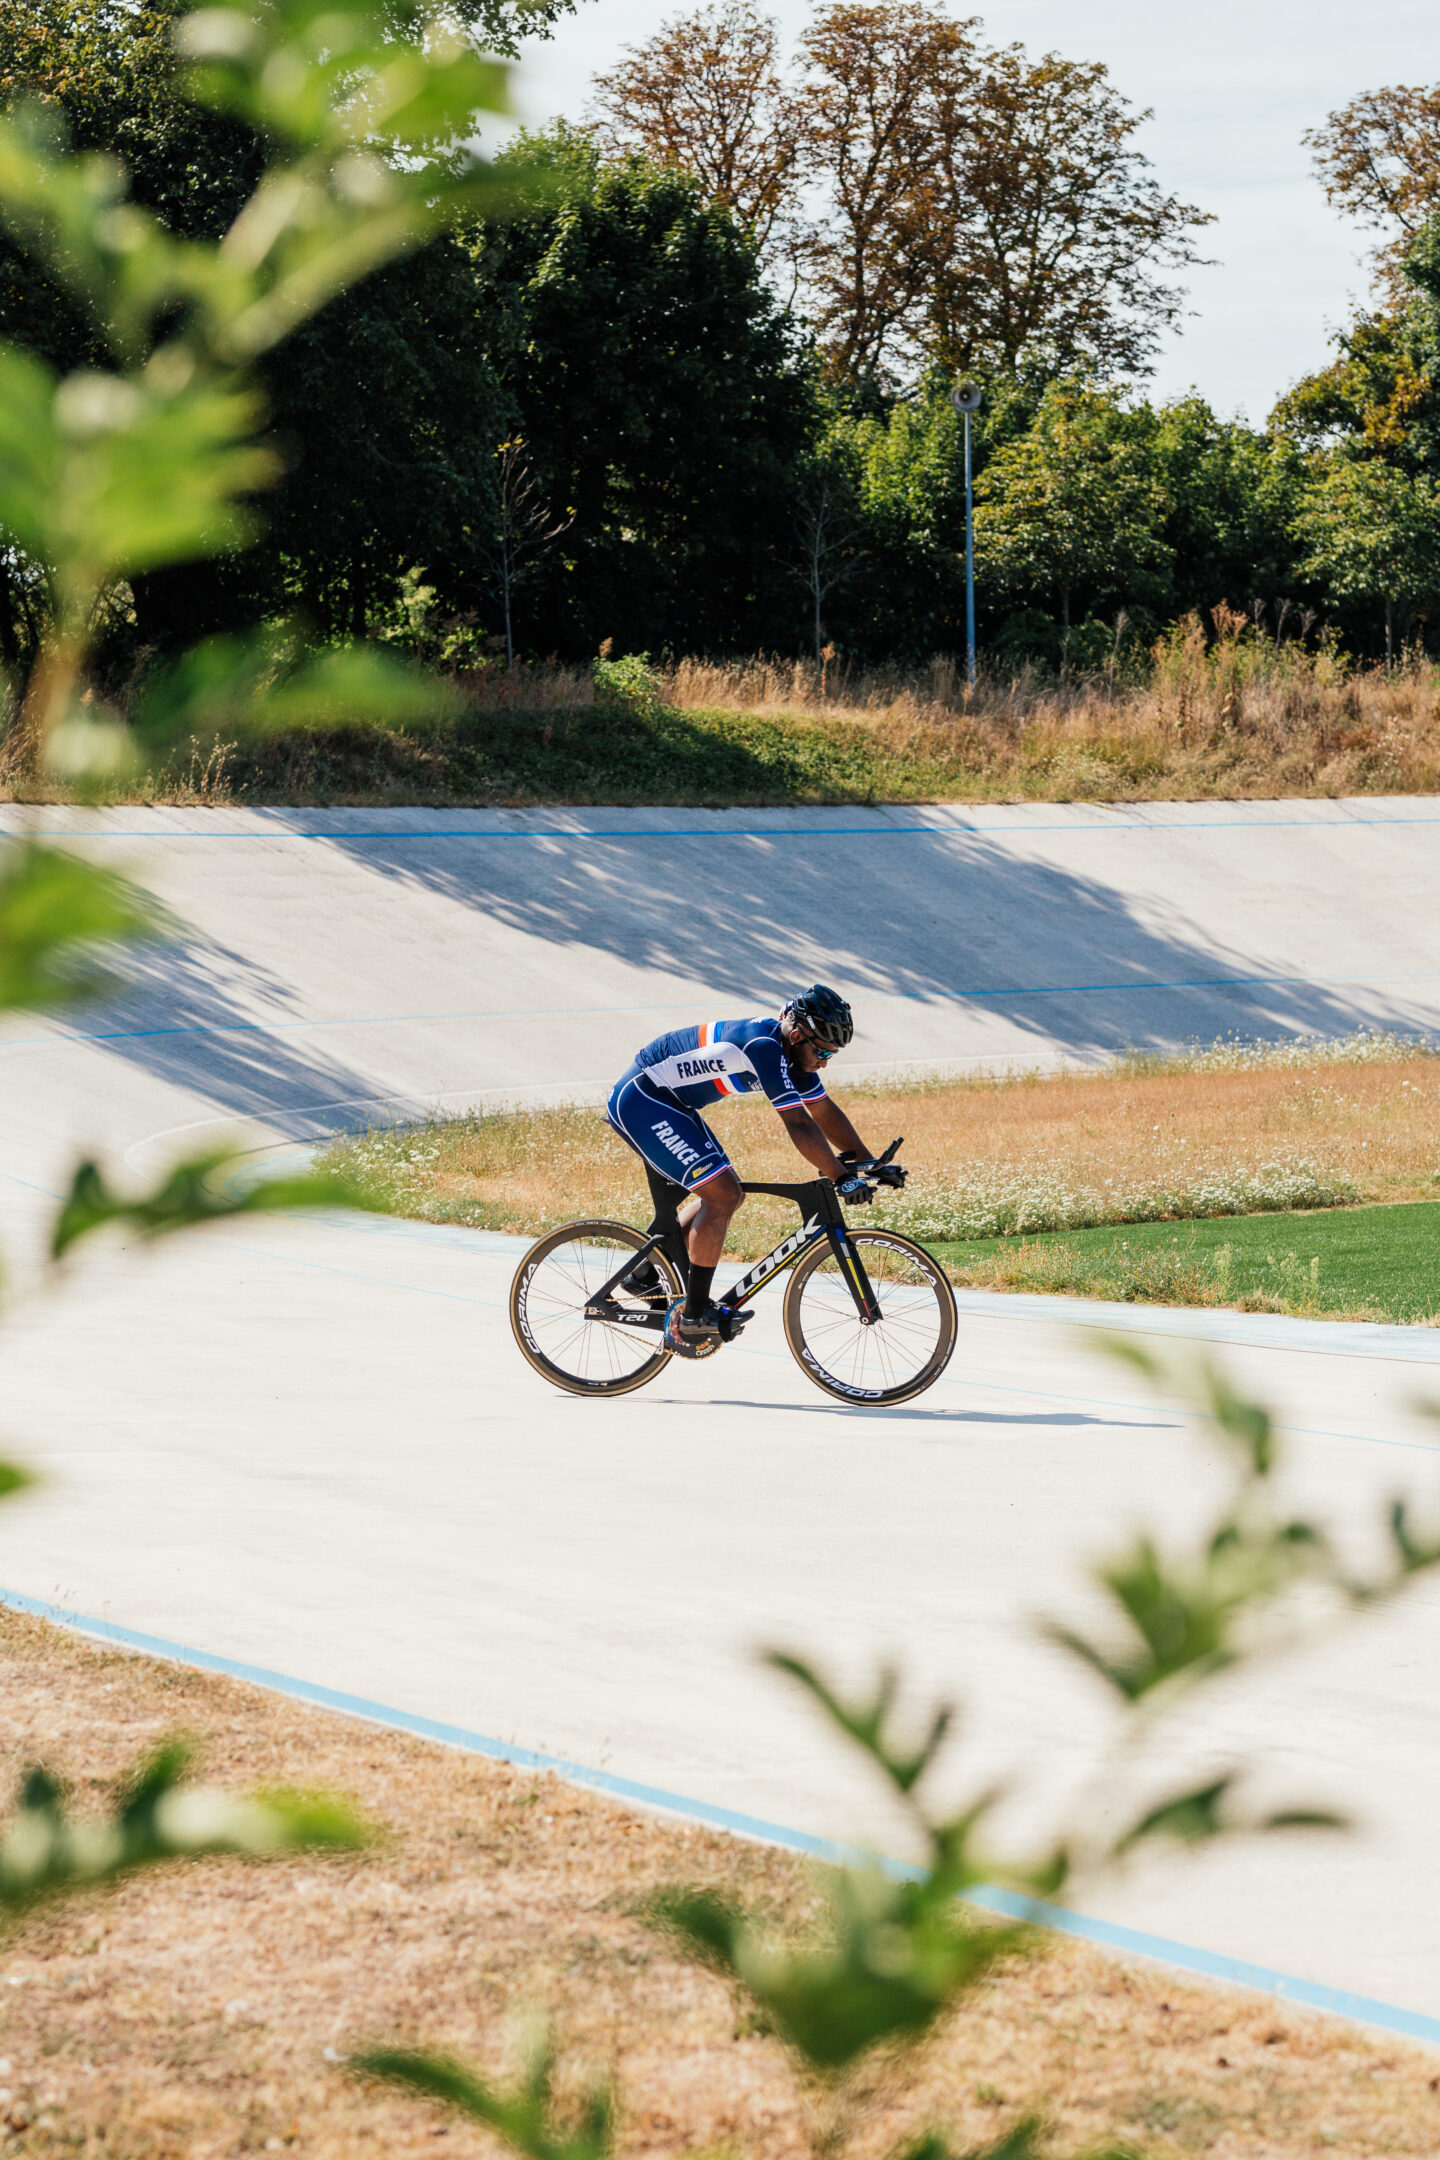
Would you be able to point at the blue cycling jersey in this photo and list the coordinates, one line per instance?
(697, 1065)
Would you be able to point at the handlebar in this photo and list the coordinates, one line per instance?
(872, 1172)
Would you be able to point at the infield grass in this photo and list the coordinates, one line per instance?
(1364, 1263)
(1144, 1171)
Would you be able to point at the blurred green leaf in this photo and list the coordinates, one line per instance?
(1189, 1616)
(1413, 1554)
(44, 1851)
(867, 1723)
(207, 1188)
(58, 914)
(1209, 1812)
(889, 1960)
(525, 2118)
(314, 76)
(368, 113)
(369, 110)
(13, 1479)
(1243, 1421)
(243, 687)
(103, 476)
(71, 209)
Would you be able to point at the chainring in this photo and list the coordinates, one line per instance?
(706, 1347)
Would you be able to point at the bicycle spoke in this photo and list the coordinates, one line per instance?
(890, 1356)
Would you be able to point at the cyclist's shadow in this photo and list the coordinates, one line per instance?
(945, 1417)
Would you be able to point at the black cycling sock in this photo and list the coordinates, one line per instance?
(644, 1277)
(698, 1296)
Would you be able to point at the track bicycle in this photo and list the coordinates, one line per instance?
(869, 1315)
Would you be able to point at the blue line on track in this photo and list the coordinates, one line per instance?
(1339, 2002)
(553, 1012)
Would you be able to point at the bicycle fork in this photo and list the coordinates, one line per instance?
(852, 1267)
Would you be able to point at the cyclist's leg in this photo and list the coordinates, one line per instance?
(706, 1217)
(674, 1142)
(682, 1148)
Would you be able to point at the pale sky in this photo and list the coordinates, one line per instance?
(1233, 86)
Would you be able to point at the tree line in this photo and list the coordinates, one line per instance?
(691, 391)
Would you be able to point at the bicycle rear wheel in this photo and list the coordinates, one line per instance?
(554, 1283)
(899, 1355)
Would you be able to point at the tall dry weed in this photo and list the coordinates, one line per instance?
(1223, 707)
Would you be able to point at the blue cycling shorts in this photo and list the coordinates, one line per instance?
(670, 1139)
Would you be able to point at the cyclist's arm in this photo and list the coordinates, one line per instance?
(811, 1141)
(837, 1128)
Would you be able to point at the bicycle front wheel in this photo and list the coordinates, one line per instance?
(897, 1356)
(553, 1285)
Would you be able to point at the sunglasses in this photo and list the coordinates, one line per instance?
(819, 1048)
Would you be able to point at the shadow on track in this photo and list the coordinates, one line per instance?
(937, 917)
(945, 1417)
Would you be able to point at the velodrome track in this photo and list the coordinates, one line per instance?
(311, 1447)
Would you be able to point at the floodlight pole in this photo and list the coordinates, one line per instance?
(969, 566)
(965, 397)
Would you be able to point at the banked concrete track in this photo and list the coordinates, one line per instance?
(310, 1446)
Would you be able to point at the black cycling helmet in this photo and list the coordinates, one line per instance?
(823, 1014)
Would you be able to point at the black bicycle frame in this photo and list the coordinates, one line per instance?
(821, 1216)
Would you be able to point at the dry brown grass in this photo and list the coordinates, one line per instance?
(1374, 1128)
(1214, 712)
(190, 2013)
(1220, 709)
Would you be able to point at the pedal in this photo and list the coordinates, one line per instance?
(731, 1323)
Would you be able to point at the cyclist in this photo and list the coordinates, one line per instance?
(654, 1107)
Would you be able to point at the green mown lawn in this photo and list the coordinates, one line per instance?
(1383, 1262)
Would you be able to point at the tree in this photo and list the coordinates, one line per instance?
(827, 528)
(1231, 496)
(706, 96)
(1379, 160)
(384, 406)
(663, 395)
(1071, 510)
(983, 207)
(1372, 532)
(389, 410)
(883, 83)
(1373, 395)
(1047, 235)
(911, 598)
(155, 457)
(521, 531)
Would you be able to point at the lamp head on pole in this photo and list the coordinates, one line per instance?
(965, 397)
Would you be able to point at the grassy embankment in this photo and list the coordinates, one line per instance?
(203, 2010)
(1242, 1144)
(1240, 718)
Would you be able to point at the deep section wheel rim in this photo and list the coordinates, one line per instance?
(556, 1280)
(900, 1354)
